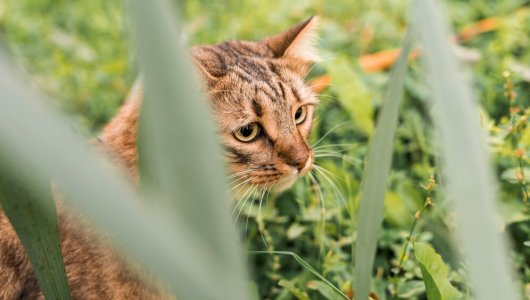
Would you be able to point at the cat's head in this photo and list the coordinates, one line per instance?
(262, 105)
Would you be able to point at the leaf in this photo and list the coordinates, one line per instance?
(180, 155)
(513, 175)
(324, 289)
(298, 293)
(396, 212)
(375, 176)
(35, 222)
(435, 273)
(306, 266)
(352, 94)
(469, 180)
(295, 230)
(410, 289)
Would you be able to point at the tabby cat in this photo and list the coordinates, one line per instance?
(264, 111)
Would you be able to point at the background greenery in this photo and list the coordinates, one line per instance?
(78, 53)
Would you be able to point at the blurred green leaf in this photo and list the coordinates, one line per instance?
(377, 168)
(434, 273)
(465, 163)
(180, 157)
(35, 222)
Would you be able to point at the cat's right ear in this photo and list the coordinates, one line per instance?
(298, 42)
(209, 63)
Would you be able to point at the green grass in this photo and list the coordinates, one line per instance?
(78, 53)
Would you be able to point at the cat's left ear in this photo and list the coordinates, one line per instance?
(299, 42)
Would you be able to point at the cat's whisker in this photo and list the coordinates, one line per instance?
(250, 213)
(327, 133)
(320, 96)
(310, 69)
(260, 217)
(249, 196)
(325, 151)
(240, 173)
(318, 192)
(249, 189)
(241, 184)
(321, 60)
(241, 180)
(343, 145)
(322, 171)
(261, 192)
(350, 160)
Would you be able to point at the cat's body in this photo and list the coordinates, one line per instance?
(263, 110)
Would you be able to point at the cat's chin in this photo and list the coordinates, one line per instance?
(285, 183)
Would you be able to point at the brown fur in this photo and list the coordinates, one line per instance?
(247, 82)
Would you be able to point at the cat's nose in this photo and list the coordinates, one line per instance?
(302, 163)
(308, 165)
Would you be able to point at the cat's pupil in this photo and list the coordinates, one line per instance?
(298, 113)
(247, 130)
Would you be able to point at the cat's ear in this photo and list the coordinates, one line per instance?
(209, 63)
(299, 42)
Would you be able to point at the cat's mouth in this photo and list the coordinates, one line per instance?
(273, 181)
(287, 181)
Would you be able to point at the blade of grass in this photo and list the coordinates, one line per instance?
(35, 222)
(377, 168)
(179, 146)
(306, 266)
(30, 135)
(465, 164)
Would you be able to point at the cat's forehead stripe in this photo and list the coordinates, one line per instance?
(258, 110)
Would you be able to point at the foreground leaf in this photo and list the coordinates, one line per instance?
(434, 272)
(465, 165)
(35, 222)
(378, 161)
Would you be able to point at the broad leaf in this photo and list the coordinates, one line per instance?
(434, 272)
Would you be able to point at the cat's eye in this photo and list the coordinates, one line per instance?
(248, 132)
(300, 114)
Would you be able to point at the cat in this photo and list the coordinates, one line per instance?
(263, 109)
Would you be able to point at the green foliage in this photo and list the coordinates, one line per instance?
(434, 272)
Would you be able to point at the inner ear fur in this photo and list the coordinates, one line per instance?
(298, 42)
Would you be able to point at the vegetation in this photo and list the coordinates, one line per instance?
(302, 244)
